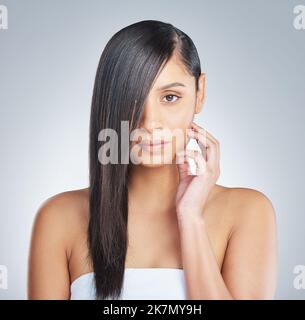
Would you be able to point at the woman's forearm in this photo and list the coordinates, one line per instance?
(202, 275)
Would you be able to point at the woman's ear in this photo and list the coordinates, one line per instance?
(200, 95)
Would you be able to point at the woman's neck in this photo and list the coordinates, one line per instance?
(152, 190)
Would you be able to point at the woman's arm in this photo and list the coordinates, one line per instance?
(48, 275)
(250, 264)
(249, 269)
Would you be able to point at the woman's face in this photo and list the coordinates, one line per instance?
(168, 113)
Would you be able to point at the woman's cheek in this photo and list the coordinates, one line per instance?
(179, 138)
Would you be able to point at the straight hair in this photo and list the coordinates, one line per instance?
(126, 71)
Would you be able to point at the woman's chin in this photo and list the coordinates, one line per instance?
(153, 165)
(155, 161)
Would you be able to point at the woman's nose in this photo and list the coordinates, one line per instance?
(151, 119)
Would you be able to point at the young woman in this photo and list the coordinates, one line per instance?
(150, 229)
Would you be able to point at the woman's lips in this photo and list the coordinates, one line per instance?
(153, 144)
(155, 147)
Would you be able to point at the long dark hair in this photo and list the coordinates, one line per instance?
(126, 71)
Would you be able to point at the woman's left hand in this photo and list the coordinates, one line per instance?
(193, 190)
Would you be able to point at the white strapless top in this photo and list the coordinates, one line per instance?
(138, 284)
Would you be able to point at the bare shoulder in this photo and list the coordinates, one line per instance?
(62, 215)
(58, 221)
(246, 205)
(251, 202)
(250, 261)
(65, 200)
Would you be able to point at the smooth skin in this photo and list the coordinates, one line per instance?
(224, 238)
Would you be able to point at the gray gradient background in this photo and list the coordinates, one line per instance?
(254, 63)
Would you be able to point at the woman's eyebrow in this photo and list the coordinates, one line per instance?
(174, 84)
